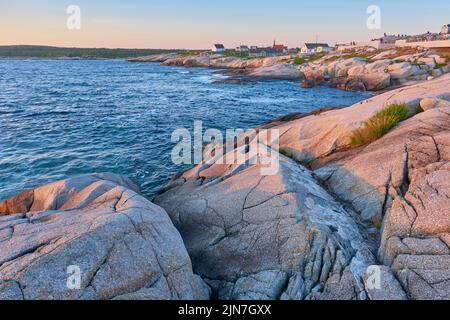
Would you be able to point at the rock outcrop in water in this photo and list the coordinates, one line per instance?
(322, 227)
(124, 246)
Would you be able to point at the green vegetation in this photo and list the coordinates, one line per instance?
(380, 124)
(399, 52)
(234, 53)
(45, 52)
(440, 65)
(316, 56)
(299, 61)
(305, 59)
(361, 54)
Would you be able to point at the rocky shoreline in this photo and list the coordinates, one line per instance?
(366, 70)
(316, 230)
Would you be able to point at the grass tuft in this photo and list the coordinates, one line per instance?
(379, 125)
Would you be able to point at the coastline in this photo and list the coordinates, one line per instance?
(312, 231)
(359, 70)
(330, 197)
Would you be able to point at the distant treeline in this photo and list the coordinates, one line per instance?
(85, 53)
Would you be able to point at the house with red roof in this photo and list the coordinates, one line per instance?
(281, 48)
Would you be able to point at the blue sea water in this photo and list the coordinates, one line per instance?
(63, 118)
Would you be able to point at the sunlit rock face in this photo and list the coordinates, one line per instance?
(121, 245)
(284, 236)
(280, 236)
(402, 181)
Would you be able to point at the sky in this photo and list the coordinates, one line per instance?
(197, 24)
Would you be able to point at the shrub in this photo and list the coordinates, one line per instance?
(379, 125)
(298, 61)
(440, 65)
(187, 53)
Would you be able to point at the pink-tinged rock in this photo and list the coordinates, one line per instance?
(98, 227)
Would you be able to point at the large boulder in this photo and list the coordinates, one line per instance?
(351, 84)
(342, 67)
(279, 236)
(356, 71)
(281, 71)
(429, 103)
(197, 62)
(122, 245)
(363, 178)
(378, 66)
(400, 184)
(403, 70)
(376, 81)
(429, 61)
(301, 234)
(228, 63)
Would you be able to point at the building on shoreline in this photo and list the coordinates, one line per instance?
(218, 48)
(256, 52)
(242, 48)
(274, 50)
(280, 48)
(425, 40)
(311, 48)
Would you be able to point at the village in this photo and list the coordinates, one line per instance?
(376, 65)
(432, 40)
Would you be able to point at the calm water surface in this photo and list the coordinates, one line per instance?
(63, 118)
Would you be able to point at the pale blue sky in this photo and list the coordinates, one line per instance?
(198, 23)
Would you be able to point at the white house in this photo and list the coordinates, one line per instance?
(310, 48)
(445, 29)
(218, 48)
(243, 48)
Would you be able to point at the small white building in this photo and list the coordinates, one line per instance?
(311, 48)
(218, 48)
(377, 44)
(445, 29)
(243, 48)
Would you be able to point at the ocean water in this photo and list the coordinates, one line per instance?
(64, 118)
